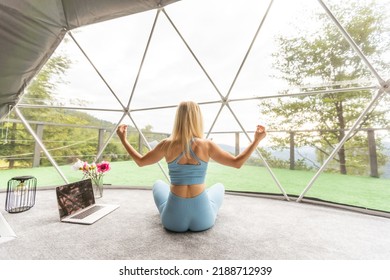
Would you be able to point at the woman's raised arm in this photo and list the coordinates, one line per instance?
(223, 157)
(151, 157)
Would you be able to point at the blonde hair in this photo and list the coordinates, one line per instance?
(188, 124)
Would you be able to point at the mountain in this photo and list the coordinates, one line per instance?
(309, 155)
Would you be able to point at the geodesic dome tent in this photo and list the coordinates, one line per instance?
(218, 56)
(32, 30)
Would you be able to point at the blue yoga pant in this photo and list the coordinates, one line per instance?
(182, 214)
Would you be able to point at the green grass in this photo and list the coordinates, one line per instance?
(353, 190)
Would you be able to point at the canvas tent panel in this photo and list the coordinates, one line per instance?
(27, 40)
(30, 31)
(80, 13)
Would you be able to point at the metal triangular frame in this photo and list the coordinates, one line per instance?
(384, 87)
(225, 99)
(368, 108)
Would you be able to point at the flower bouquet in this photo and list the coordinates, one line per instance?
(95, 172)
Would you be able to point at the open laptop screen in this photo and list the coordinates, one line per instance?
(74, 196)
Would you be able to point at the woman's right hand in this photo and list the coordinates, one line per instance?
(260, 133)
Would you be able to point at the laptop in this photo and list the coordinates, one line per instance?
(76, 203)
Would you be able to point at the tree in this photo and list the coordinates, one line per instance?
(326, 59)
(63, 142)
(40, 91)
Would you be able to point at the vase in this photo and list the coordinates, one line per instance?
(98, 187)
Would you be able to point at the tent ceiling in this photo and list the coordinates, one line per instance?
(30, 31)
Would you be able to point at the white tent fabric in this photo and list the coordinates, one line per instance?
(30, 31)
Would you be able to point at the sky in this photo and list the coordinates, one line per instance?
(218, 35)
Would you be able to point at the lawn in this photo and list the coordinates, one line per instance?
(353, 190)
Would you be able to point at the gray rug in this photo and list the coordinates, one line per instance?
(247, 228)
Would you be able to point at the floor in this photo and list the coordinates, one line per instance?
(247, 228)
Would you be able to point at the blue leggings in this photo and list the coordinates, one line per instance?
(182, 214)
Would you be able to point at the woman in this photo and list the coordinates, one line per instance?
(185, 204)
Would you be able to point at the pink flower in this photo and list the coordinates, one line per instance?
(86, 166)
(103, 167)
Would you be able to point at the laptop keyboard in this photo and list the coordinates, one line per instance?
(88, 212)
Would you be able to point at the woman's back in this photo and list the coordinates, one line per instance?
(187, 172)
(199, 147)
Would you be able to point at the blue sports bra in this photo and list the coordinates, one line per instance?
(187, 174)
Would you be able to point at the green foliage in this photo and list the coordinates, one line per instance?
(67, 134)
(324, 58)
(41, 91)
(15, 144)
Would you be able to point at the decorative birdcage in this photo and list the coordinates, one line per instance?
(21, 193)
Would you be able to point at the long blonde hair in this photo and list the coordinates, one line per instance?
(188, 124)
